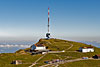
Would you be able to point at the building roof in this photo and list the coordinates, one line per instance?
(98, 55)
(18, 61)
(87, 47)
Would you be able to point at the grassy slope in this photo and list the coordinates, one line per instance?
(53, 44)
(7, 58)
(84, 63)
(57, 44)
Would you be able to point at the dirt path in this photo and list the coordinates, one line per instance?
(37, 61)
(62, 62)
(45, 54)
(70, 47)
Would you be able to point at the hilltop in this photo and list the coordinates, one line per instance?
(71, 48)
(71, 52)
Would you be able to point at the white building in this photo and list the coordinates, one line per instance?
(86, 49)
(16, 62)
(38, 47)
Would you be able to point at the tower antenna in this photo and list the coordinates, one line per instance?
(48, 33)
(48, 20)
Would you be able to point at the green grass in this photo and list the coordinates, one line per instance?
(83, 63)
(48, 57)
(57, 44)
(52, 44)
(7, 58)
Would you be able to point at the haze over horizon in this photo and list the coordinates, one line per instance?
(69, 19)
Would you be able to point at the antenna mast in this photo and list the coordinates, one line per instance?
(48, 34)
(48, 20)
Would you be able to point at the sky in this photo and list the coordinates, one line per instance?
(69, 19)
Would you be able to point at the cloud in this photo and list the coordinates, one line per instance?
(20, 46)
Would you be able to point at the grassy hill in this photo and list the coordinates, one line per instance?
(83, 63)
(7, 58)
(58, 45)
(70, 48)
(72, 53)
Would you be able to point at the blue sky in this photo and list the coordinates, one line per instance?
(69, 19)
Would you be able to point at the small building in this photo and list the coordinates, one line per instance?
(44, 52)
(38, 47)
(96, 57)
(84, 57)
(86, 49)
(16, 62)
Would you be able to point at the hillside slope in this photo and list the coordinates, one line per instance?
(70, 48)
(70, 53)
